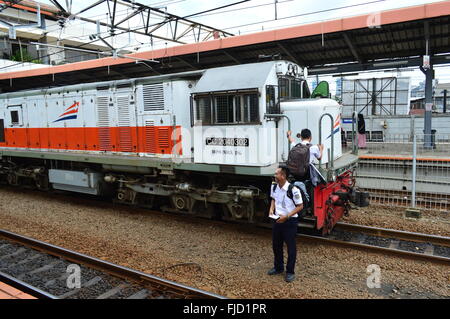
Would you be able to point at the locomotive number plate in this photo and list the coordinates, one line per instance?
(224, 141)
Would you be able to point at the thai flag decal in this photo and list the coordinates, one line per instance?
(336, 126)
(70, 113)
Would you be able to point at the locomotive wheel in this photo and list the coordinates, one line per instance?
(181, 203)
(12, 179)
(42, 182)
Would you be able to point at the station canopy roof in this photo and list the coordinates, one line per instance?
(388, 39)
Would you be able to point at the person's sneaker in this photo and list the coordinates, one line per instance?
(273, 271)
(289, 277)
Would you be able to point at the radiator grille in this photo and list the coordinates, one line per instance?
(153, 96)
(123, 112)
(150, 137)
(104, 134)
(163, 138)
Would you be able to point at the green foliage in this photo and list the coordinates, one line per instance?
(22, 55)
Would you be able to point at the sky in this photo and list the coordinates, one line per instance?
(256, 15)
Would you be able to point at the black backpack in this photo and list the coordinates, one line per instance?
(298, 161)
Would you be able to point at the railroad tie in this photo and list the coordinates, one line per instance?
(360, 238)
(31, 258)
(429, 250)
(17, 252)
(87, 284)
(63, 277)
(394, 244)
(113, 291)
(141, 294)
(45, 267)
(38, 270)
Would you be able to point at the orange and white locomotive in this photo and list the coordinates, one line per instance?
(204, 142)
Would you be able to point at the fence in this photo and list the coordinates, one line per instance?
(402, 171)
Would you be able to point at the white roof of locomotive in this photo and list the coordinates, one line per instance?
(243, 76)
(309, 104)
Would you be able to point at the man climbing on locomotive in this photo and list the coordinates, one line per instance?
(301, 157)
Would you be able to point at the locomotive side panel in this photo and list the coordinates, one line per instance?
(87, 112)
(181, 108)
(36, 121)
(15, 127)
(42, 122)
(155, 119)
(125, 111)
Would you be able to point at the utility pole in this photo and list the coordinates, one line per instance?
(427, 69)
(444, 102)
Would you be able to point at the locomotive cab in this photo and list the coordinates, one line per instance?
(330, 198)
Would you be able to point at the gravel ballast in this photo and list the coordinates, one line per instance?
(226, 259)
(433, 223)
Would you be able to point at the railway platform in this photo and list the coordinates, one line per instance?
(9, 292)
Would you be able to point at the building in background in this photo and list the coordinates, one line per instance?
(376, 96)
(418, 91)
(441, 92)
(20, 53)
(339, 82)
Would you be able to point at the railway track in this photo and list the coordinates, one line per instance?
(388, 241)
(44, 270)
(424, 247)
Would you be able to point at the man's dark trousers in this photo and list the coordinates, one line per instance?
(285, 232)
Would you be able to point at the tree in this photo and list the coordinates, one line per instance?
(22, 55)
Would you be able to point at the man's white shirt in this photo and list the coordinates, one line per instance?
(283, 204)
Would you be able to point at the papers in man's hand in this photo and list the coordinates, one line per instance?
(274, 216)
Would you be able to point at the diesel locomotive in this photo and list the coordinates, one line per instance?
(203, 142)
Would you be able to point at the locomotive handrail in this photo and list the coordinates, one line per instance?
(280, 116)
(331, 158)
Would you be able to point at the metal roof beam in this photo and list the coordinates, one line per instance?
(90, 7)
(377, 65)
(128, 30)
(352, 48)
(173, 17)
(287, 52)
(131, 15)
(113, 14)
(186, 63)
(60, 7)
(232, 57)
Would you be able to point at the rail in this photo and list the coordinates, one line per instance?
(161, 287)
